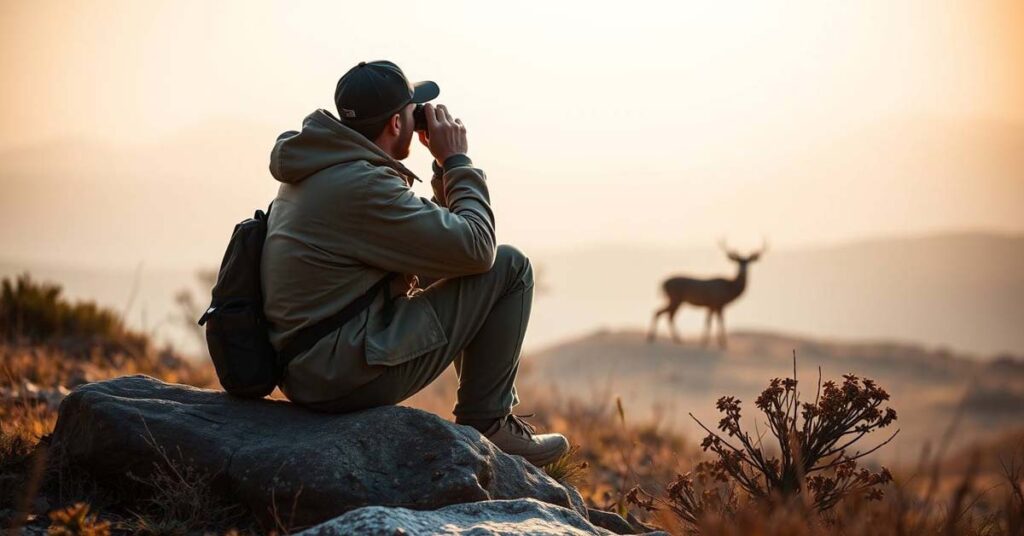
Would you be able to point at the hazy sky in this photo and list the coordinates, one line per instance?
(664, 122)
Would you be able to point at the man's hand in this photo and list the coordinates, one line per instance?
(406, 285)
(445, 136)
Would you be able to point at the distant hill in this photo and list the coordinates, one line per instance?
(664, 381)
(963, 291)
(960, 292)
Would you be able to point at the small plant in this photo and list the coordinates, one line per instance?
(75, 520)
(179, 499)
(812, 450)
(568, 469)
(1013, 473)
(690, 497)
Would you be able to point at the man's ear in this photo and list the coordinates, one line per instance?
(395, 125)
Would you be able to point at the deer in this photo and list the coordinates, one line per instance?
(713, 294)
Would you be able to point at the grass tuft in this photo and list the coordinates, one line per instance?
(569, 469)
(75, 520)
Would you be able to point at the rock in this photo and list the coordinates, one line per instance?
(615, 523)
(611, 521)
(41, 505)
(276, 456)
(518, 517)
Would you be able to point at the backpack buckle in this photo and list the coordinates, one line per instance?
(206, 315)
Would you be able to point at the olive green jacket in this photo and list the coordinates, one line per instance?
(344, 217)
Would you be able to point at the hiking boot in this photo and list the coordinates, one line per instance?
(513, 435)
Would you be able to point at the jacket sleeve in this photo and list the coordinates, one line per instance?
(437, 185)
(401, 232)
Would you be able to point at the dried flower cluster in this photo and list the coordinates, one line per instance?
(811, 452)
(689, 497)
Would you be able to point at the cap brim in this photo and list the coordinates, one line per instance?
(424, 92)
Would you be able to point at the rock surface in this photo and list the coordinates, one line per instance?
(518, 517)
(272, 453)
(615, 523)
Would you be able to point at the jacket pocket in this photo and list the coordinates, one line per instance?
(414, 330)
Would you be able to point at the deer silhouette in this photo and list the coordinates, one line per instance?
(713, 294)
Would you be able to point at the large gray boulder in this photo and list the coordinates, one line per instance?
(275, 456)
(516, 517)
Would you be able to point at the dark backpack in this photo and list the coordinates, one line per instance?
(236, 330)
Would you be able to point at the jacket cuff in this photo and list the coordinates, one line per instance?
(456, 160)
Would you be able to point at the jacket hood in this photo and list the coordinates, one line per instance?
(324, 142)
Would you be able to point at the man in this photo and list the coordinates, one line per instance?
(345, 217)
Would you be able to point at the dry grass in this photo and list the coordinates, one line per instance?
(611, 455)
(75, 520)
(33, 380)
(178, 499)
(568, 469)
(944, 493)
(47, 347)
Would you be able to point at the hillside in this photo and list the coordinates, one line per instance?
(964, 291)
(664, 381)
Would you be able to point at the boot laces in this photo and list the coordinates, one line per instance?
(519, 425)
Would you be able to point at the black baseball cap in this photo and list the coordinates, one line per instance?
(373, 90)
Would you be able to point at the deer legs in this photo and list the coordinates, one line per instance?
(672, 325)
(721, 328)
(670, 310)
(708, 320)
(707, 329)
(654, 325)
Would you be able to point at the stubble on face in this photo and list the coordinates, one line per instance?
(404, 140)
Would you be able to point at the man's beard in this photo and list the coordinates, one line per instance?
(400, 150)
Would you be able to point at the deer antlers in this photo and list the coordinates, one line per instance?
(764, 247)
(733, 255)
(728, 252)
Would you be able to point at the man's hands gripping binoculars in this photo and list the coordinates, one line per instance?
(439, 132)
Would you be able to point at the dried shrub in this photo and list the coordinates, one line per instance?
(811, 451)
(690, 497)
(39, 313)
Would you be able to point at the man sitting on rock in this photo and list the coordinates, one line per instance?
(345, 218)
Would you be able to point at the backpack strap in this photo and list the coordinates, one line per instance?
(310, 335)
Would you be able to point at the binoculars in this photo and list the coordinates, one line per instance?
(419, 118)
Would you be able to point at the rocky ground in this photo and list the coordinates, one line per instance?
(382, 470)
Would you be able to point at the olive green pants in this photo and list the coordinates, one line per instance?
(484, 317)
